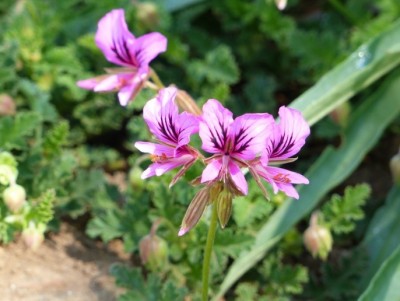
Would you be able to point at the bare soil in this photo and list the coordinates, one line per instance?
(68, 267)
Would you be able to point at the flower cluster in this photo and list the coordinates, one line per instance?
(252, 141)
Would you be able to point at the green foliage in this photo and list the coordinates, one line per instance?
(151, 288)
(282, 279)
(14, 130)
(56, 139)
(341, 213)
(42, 211)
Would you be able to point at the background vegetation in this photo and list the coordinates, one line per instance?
(337, 61)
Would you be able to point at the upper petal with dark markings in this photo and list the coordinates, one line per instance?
(248, 134)
(114, 38)
(288, 136)
(214, 127)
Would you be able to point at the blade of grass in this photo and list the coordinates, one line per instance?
(367, 64)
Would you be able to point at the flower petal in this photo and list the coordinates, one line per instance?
(212, 170)
(214, 126)
(148, 46)
(155, 149)
(90, 83)
(187, 125)
(288, 136)
(114, 39)
(161, 114)
(282, 179)
(238, 178)
(109, 83)
(248, 134)
(166, 124)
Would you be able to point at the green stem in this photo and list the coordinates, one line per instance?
(156, 79)
(207, 252)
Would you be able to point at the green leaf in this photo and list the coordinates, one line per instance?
(218, 66)
(42, 212)
(149, 289)
(13, 130)
(382, 236)
(332, 167)
(56, 139)
(341, 213)
(385, 284)
(367, 64)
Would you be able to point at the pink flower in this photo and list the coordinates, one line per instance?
(173, 131)
(233, 143)
(286, 139)
(122, 48)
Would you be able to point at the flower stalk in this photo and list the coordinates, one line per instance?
(208, 250)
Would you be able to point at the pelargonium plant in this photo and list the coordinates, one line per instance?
(252, 142)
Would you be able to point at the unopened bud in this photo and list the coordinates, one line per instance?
(195, 210)
(395, 168)
(7, 105)
(33, 237)
(153, 252)
(8, 174)
(281, 4)
(147, 14)
(341, 114)
(14, 197)
(318, 239)
(224, 206)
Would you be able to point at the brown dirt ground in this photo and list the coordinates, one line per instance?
(68, 267)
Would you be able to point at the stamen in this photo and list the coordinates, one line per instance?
(282, 178)
(158, 158)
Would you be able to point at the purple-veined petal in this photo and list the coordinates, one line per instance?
(114, 39)
(212, 170)
(288, 136)
(187, 125)
(148, 46)
(248, 134)
(214, 126)
(161, 115)
(237, 177)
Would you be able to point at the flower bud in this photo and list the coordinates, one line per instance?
(281, 4)
(318, 239)
(8, 174)
(14, 197)
(7, 105)
(224, 206)
(147, 14)
(341, 114)
(195, 210)
(153, 250)
(395, 168)
(33, 236)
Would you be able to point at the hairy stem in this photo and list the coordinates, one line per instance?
(208, 250)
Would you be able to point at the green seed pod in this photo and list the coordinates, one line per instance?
(153, 252)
